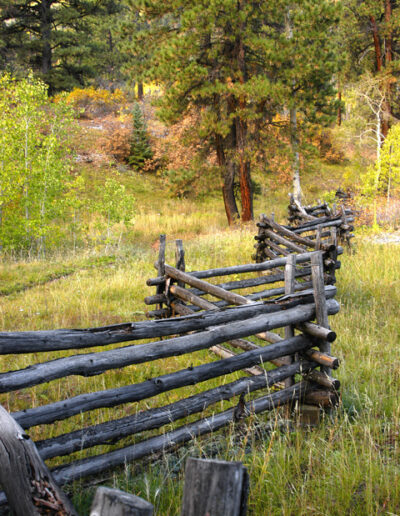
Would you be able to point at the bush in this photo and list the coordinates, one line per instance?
(92, 102)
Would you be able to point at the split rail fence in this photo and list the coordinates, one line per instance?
(322, 216)
(289, 313)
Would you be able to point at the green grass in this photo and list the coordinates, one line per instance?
(348, 465)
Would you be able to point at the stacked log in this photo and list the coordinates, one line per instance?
(307, 218)
(300, 279)
(274, 240)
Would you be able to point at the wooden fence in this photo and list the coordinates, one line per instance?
(308, 218)
(296, 364)
(274, 240)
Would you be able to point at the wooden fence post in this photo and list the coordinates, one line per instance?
(290, 269)
(161, 267)
(26, 480)
(214, 488)
(180, 259)
(113, 502)
(317, 273)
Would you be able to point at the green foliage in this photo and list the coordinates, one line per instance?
(52, 38)
(34, 164)
(114, 206)
(140, 150)
(386, 175)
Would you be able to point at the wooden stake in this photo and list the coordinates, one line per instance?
(214, 487)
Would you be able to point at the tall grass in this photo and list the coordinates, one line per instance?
(347, 465)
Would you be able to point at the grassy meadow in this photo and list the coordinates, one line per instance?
(348, 465)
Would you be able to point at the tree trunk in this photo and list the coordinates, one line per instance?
(246, 193)
(46, 20)
(231, 209)
(339, 113)
(228, 169)
(140, 91)
(296, 158)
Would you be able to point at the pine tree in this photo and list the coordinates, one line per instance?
(48, 36)
(232, 60)
(371, 35)
(140, 150)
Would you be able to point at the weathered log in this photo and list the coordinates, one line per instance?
(26, 480)
(309, 227)
(214, 487)
(249, 267)
(95, 465)
(290, 234)
(205, 286)
(317, 331)
(112, 397)
(113, 502)
(161, 266)
(180, 259)
(317, 273)
(186, 295)
(52, 340)
(289, 289)
(153, 282)
(274, 247)
(227, 353)
(323, 359)
(255, 282)
(91, 364)
(284, 241)
(323, 399)
(324, 380)
(156, 299)
(112, 431)
(160, 312)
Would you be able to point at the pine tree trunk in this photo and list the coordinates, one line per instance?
(246, 193)
(231, 209)
(45, 34)
(244, 173)
(140, 91)
(228, 169)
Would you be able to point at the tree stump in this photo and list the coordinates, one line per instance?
(214, 488)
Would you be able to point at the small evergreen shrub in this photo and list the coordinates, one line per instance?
(140, 150)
